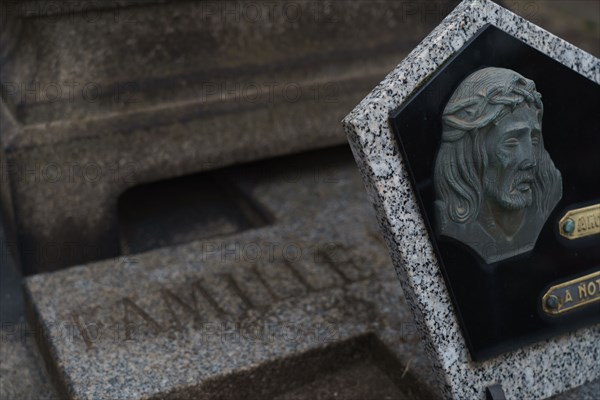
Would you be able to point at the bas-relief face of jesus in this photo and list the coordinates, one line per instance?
(495, 183)
(511, 147)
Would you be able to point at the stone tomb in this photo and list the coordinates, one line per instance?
(280, 314)
(501, 273)
(197, 85)
(308, 304)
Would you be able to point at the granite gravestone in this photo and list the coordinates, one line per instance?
(478, 151)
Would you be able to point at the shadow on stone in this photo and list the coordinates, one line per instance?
(181, 210)
(362, 368)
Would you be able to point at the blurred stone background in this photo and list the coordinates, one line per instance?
(179, 126)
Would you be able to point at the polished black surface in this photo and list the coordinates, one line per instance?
(499, 305)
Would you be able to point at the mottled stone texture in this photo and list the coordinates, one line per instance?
(102, 96)
(384, 360)
(307, 304)
(534, 372)
(22, 376)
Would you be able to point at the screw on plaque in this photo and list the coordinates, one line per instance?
(552, 302)
(569, 226)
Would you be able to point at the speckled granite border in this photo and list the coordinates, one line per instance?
(535, 372)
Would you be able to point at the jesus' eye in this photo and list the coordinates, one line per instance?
(535, 138)
(511, 142)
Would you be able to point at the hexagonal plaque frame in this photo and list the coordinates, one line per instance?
(533, 371)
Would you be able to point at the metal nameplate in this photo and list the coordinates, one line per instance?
(572, 294)
(580, 222)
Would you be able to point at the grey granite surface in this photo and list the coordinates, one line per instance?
(97, 100)
(360, 369)
(276, 311)
(22, 375)
(536, 371)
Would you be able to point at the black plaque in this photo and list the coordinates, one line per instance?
(500, 304)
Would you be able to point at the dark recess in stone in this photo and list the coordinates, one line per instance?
(181, 210)
(362, 368)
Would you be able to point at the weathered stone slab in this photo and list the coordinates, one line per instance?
(256, 315)
(101, 96)
(22, 376)
(335, 365)
(540, 366)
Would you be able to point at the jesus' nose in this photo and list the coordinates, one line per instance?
(528, 156)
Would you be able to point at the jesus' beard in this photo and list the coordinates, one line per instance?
(514, 193)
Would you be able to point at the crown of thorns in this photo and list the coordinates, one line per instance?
(488, 102)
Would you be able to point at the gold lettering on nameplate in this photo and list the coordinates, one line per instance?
(580, 222)
(572, 294)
